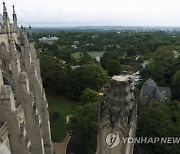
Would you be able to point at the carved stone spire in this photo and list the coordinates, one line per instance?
(4, 7)
(22, 35)
(30, 34)
(14, 10)
(5, 14)
(14, 16)
(6, 18)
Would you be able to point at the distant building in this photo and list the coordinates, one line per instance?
(97, 59)
(151, 92)
(145, 63)
(93, 36)
(139, 56)
(74, 46)
(176, 53)
(76, 43)
(49, 40)
(74, 67)
(61, 61)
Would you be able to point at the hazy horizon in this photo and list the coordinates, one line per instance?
(102, 26)
(69, 13)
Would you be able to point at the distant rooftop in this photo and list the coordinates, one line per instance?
(150, 88)
(48, 39)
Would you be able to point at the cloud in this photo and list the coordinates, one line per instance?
(97, 12)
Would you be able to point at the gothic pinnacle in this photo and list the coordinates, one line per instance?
(14, 10)
(22, 27)
(4, 7)
(30, 34)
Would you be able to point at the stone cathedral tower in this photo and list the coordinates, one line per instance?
(117, 118)
(24, 117)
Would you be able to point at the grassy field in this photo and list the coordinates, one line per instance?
(92, 53)
(59, 108)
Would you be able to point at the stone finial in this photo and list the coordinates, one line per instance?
(14, 12)
(4, 7)
(30, 34)
(14, 16)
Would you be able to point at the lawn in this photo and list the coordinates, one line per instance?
(59, 108)
(92, 53)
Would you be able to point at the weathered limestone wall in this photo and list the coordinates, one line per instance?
(4, 140)
(33, 121)
(18, 143)
(117, 118)
(3, 147)
(4, 39)
(23, 105)
(42, 107)
(35, 60)
(33, 71)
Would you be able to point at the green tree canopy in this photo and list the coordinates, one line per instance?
(176, 84)
(53, 74)
(89, 95)
(84, 124)
(87, 76)
(159, 120)
(85, 57)
(162, 65)
(113, 67)
(106, 57)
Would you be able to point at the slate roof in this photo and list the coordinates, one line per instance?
(151, 89)
(147, 90)
(167, 90)
(150, 82)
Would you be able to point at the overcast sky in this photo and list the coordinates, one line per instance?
(60, 13)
